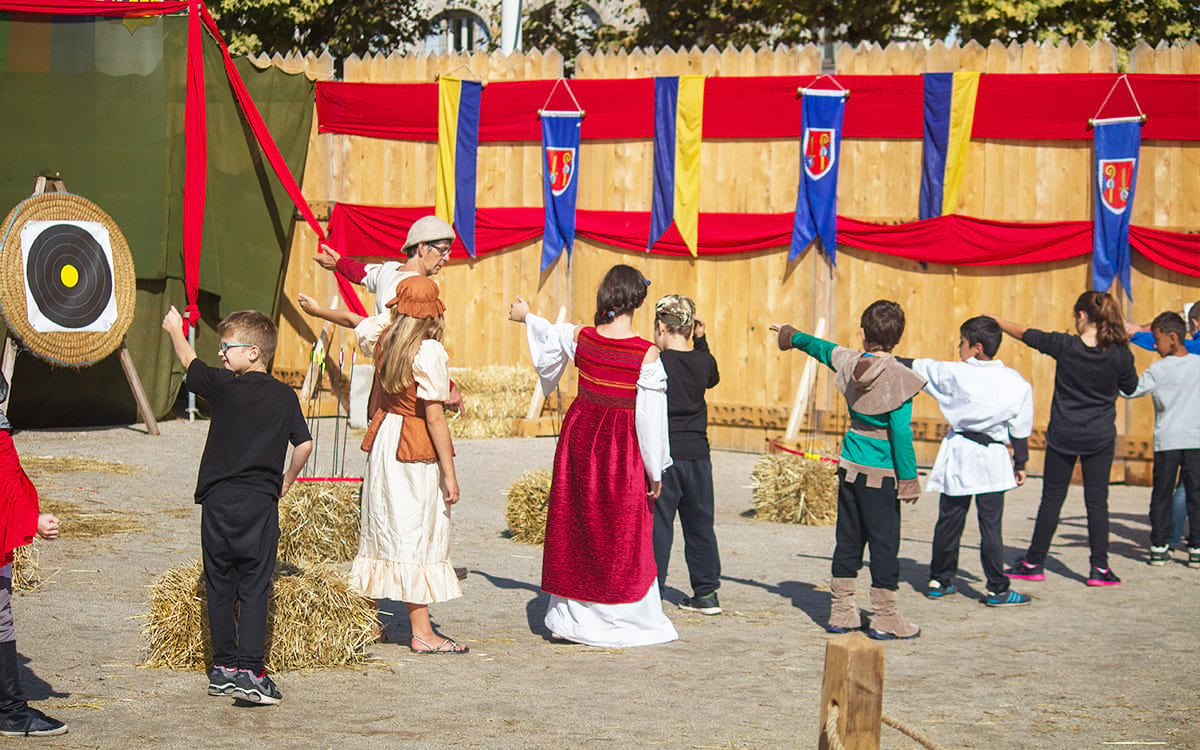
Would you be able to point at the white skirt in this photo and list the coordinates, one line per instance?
(640, 623)
(404, 527)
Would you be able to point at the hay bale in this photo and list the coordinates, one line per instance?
(318, 522)
(493, 397)
(314, 620)
(525, 509)
(26, 567)
(794, 489)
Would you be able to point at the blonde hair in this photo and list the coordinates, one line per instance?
(398, 345)
(251, 327)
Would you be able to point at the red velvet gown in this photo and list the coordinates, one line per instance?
(599, 521)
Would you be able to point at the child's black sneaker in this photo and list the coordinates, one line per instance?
(935, 589)
(1194, 557)
(1159, 556)
(1103, 577)
(221, 680)
(255, 688)
(1008, 598)
(705, 605)
(1026, 572)
(27, 721)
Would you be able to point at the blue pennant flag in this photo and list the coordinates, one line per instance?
(1117, 146)
(820, 143)
(560, 185)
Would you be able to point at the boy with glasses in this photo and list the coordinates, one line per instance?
(254, 417)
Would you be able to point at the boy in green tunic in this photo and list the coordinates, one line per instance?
(877, 469)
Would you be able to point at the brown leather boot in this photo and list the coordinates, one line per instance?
(843, 613)
(887, 623)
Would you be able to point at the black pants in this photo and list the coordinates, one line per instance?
(868, 516)
(947, 536)
(687, 487)
(1055, 481)
(1170, 466)
(239, 538)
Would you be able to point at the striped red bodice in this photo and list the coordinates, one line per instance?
(609, 368)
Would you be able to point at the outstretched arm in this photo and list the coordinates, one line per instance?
(344, 318)
(1016, 330)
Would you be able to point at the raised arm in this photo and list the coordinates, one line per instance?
(173, 325)
(551, 345)
(344, 318)
(1016, 330)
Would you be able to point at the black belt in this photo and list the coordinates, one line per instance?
(978, 437)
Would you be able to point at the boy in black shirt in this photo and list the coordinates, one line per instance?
(254, 417)
(687, 485)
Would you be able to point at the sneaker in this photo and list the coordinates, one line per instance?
(1194, 557)
(1026, 572)
(1159, 556)
(27, 721)
(705, 605)
(936, 589)
(1103, 577)
(221, 680)
(1008, 598)
(255, 688)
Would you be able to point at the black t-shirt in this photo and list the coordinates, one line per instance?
(689, 374)
(1083, 410)
(254, 417)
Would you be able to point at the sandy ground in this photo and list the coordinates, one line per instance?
(1078, 668)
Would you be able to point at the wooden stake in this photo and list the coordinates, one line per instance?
(139, 393)
(806, 381)
(854, 681)
(538, 398)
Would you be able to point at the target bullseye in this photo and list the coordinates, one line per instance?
(69, 275)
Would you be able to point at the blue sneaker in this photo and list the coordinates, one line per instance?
(1009, 598)
(936, 589)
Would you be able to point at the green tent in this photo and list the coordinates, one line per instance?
(101, 101)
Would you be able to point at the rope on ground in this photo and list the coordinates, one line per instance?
(903, 728)
(835, 739)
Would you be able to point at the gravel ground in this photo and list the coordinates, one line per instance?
(1078, 668)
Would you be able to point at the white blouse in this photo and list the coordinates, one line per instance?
(551, 345)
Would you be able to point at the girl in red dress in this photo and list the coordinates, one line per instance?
(598, 558)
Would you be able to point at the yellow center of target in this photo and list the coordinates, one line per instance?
(69, 275)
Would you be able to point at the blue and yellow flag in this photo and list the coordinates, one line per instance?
(949, 116)
(458, 146)
(678, 115)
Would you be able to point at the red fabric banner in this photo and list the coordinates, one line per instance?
(1057, 106)
(379, 231)
(1009, 106)
(108, 8)
(195, 167)
(1172, 250)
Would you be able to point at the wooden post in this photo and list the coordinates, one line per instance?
(139, 393)
(853, 682)
(806, 380)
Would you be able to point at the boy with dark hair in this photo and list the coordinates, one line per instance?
(687, 485)
(254, 417)
(1172, 382)
(989, 406)
(877, 469)
(1143, 337)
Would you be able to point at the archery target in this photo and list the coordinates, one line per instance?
(68, 276)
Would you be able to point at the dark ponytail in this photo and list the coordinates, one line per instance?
(622, 291)
(1101, 309)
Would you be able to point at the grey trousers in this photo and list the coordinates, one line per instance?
(7, 633)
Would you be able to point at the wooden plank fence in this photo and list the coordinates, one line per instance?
(739, 296)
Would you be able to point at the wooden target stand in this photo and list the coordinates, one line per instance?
(42, 186)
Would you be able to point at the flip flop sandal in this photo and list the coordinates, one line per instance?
(440, 648)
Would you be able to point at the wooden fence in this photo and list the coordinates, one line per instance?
(739, 296)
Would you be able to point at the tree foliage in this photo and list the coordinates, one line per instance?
(339, 27)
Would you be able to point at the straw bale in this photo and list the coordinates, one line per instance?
(314, 620)
(318, 522)
(26, 567)
(493, 397)
(525, 510)
(794, 489)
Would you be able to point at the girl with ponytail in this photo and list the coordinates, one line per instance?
(1091, 367)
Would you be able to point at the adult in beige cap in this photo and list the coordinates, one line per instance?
(427, 247)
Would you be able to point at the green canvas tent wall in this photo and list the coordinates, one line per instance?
(101, 101)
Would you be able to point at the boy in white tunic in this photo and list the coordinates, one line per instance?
(989, 406)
